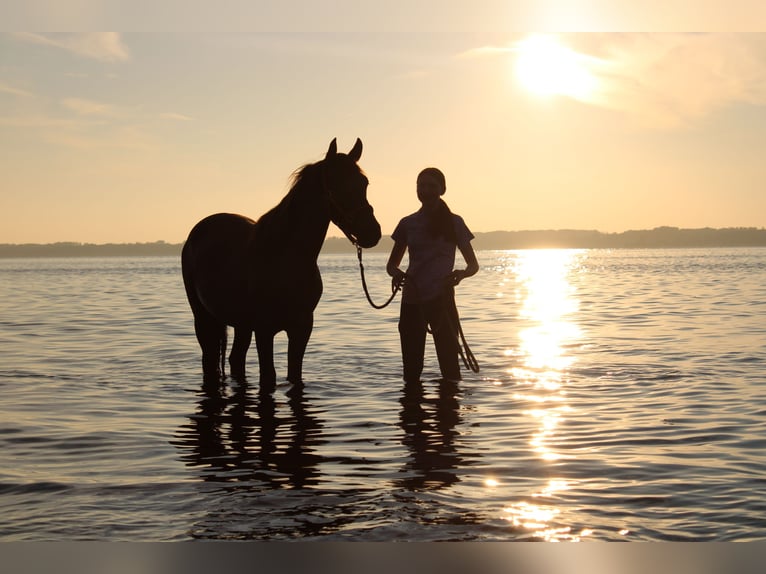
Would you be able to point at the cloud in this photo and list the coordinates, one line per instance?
(665, 80)
(485, 51)
(668, 80)
(90, 108)
(175, 116)
(102, 46)
(122, 137)
(91, 133)
(84, 107)
(92, 125)
(6, 89)
(37, 122)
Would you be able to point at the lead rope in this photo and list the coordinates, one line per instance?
(469, 360)
(395, 290)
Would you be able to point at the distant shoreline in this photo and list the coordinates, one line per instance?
(660, 237)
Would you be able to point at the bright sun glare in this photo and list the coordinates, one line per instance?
(546, 67)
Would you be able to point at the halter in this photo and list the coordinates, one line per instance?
(342, 219)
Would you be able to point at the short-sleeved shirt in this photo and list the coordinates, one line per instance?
(431, 259)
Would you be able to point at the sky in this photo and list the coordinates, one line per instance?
(135, 136)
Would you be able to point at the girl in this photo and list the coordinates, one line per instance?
(431, 235)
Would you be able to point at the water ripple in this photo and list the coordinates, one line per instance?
(620, 398)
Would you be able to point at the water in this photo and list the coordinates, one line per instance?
(621, 397)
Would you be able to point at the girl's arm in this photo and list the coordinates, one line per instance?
(472, 266)
(394, 260)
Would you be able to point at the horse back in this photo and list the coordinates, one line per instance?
(243, 273)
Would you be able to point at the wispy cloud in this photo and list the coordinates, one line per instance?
(84, 107)
(666, 80)
(86, 124)
(38, 122)
(90, 108)
(669, 80)
(6, 89)
(485, 51)
(119, 137)
(102, 46)
(175, 116)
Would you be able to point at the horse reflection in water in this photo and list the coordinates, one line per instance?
(262, 277)
(240, 442)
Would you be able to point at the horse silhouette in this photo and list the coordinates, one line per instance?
(261, 277)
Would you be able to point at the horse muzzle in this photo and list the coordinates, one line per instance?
(370, 240)
(368, 232)
(364, 229)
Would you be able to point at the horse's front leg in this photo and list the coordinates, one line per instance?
(264, 343)
(298, 338)
(242, 338)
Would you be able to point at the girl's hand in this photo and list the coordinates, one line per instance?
(398, 279)
(455, 277)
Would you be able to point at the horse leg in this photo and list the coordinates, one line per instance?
(242, 338)
(211, 335)
(264, 343)
(298, 338)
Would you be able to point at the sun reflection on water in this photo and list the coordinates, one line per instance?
(540, 364)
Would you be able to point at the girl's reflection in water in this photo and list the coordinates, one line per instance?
(241, 440)
(429, 427)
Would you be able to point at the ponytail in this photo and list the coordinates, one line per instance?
(441, 224)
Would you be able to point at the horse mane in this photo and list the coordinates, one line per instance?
(299, 175)
(302, 172)
(275, 222)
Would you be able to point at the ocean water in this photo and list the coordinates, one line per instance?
(621, 397)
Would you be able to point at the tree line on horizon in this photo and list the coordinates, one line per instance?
(659, 237)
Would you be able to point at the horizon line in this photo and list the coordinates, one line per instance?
(476, 233)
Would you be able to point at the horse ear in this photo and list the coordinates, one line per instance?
(333, 149)
(356, 151)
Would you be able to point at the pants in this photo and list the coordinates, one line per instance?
(414, 320)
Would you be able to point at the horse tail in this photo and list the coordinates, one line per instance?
(222, 336)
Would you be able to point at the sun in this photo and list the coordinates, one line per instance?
(546, 67)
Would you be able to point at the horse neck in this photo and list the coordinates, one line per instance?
(309, 216)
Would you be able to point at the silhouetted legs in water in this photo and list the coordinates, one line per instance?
(414, 320)
(211, 335)
(242, 339)
(212, 339)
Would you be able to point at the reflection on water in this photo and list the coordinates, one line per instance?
(247, 442)
(548, 306)
(429, 435)
(256, 444)
(243, 440)
(647, 426)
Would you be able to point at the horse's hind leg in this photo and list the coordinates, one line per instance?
(211, 335)
(242, 339)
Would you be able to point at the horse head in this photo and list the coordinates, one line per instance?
(346, 187)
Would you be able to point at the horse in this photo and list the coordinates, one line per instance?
(261, 277)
